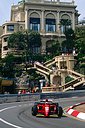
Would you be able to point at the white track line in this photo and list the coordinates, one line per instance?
(5, 122)
(15, 126)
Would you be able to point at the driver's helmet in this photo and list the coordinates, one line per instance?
(46, 100)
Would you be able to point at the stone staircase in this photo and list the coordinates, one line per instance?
(79, 79)
(41, 68)
(74, 83)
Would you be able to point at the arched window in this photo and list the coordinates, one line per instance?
(50, 23)
(35, 22)
(65, 22)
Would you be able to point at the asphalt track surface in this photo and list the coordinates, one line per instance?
(18, 115)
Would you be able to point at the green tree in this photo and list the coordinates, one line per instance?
(80, 49)
(69, 43)
(80, 41)
(8, 66)
(29, 42)
(54, 49)
(82, 65)
(1, 67)
(16, 40)
(34, 39)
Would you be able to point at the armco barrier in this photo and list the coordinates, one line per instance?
(6, 98)
(67, 94)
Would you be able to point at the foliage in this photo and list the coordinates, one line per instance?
(68, 79)
(34, 78)
(54, 49)
(25, 41)
(80, 48)
(65, 23)
(69, 33)
(8, 66)
(82, 65)
(37, 57)
(34, 39)
(16, 40)
(9, 59)
(80, 41)
(1, 67)
(69, 43)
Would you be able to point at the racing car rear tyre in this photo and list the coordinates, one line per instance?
(60, 111)
(34, 110)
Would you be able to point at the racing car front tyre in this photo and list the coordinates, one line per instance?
(60, 111)
(34, 110)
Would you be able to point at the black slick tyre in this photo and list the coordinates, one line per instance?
(34, 110)
(60, 112)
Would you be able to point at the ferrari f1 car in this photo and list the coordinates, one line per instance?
(47, 108)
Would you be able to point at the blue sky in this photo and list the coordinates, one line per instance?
(5, 8)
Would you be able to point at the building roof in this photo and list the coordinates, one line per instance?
(48, 2)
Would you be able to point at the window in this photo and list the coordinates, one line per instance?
(35, 24)
(50, 25)
(5, 48)
(3, 29)
(5, 39)
(63, 27)
(21, 28)
(65, 24)
(10, 27)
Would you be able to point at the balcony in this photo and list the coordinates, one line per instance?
(49, 89)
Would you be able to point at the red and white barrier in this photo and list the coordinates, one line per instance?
(76, 113)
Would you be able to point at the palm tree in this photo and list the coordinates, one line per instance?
(65, 23)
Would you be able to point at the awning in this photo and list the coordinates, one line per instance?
(6, 82)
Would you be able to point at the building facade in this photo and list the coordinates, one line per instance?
(43, 16)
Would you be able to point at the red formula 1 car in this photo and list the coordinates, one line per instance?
(47, 108)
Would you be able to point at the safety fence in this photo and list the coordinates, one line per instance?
(7, 98)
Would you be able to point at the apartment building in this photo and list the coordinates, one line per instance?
(43, 16)
(0, 40)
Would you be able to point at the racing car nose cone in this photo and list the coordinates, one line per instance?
(46, 110)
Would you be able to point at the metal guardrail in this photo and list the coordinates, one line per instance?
(8, 98)
(69, 94)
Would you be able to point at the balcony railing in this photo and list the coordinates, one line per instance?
(48, 2)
